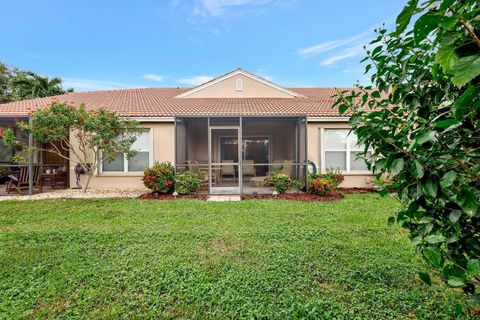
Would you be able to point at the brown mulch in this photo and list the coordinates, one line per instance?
(296, 197)
(169, 196)
(357, 190)
(337, 195)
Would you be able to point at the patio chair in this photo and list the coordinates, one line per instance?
(19, 180)
(228, 169)
(249, 168)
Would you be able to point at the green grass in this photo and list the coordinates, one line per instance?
(112, 259)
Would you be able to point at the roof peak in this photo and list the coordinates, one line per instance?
(258, 87)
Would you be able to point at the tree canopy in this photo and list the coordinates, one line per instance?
(90, 136)
(421, 119)
(16, 84)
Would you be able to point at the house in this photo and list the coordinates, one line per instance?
(235, 128)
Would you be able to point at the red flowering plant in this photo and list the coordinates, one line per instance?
(160, 177)
(320, 184)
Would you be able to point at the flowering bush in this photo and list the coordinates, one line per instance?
(336, 176)
(187, 182)
(321, 184)
(159, 177)
(281, 182)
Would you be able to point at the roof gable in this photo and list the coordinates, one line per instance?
(239, 84)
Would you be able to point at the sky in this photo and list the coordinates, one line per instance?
(99, 45)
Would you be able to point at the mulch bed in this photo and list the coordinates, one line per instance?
(296, 197)
(169, 196)
(337, 195)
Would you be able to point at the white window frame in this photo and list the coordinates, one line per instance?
(239, 84)
(125, 160)
(348, 150)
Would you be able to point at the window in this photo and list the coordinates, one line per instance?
(239, 84)
(341, 150)
(139, 162)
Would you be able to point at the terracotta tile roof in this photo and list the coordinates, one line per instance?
(161, 102)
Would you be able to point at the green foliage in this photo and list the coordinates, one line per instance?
(29, 85)
(187, 182)
(281, 182)
(160, 177)
(17, 85)
(325, 184)
(4, 172)
(297, 185)
(422, 121)
(336, 176)
(186, 259)
(90, 136)
(320, 184)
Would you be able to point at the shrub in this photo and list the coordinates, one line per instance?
(321, 185)
(187, 182)
(159, 177)
(336, 176)
(422, 127)
(297, 185)
(280, 182)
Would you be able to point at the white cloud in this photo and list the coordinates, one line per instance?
(346, 53)
(330, 45)
(195, 80)
(154, 77)
(89, 84)
(261, 72)
(218, 8)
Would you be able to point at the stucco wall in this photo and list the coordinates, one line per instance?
(282, 144)
(314, 145)
(227, 89)
(163, 150)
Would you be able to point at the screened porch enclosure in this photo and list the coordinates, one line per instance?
(237, 155)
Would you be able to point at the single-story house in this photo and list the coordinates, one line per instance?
(236, 127)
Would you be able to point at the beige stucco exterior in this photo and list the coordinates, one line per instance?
(164, 150)
(227, 88)
(315, 153)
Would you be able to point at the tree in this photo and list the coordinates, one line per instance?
(30, 85)
(90, 136)
(16, 84)
(421, 118)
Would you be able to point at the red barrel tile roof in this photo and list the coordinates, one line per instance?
(161, 102)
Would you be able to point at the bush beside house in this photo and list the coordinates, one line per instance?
(187, 182)
(160, 177)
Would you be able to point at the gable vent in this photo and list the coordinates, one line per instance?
(239, 84)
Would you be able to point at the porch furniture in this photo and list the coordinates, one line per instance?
(249, 168)
(53, 180)
(277, 165)
(228, 169)
(19, 179)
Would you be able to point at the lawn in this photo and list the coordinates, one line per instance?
(130, 258)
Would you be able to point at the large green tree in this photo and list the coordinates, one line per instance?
(29, 85)
(16, 84)
(421, 118)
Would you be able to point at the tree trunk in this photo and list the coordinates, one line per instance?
(87, 182)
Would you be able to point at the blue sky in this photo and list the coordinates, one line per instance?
(96, 45)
